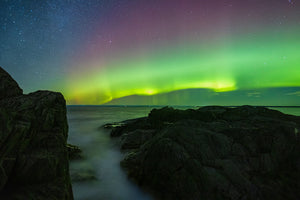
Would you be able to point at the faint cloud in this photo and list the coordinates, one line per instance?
(253, 94)
(294, 93)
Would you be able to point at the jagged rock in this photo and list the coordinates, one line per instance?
(33, 154)
(135, 139)
(214, 153)
(8, 86)
(121, 127)
(74, 152)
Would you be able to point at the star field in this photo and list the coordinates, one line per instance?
(94, 51)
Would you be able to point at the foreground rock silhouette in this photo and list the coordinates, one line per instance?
(213, 153)
(33, 154)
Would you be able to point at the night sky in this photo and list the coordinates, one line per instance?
(185, 52)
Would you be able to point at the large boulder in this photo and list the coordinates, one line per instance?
(214, 153)
(33, 154)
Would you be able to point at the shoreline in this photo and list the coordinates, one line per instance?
(221, 141)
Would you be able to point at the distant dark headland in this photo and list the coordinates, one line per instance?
(182, 106)
(213, 153)
(33, 134)
(277, 96)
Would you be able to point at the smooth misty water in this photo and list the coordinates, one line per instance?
(102, 154)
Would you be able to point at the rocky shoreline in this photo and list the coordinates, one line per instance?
(213, 153)
(34, 161)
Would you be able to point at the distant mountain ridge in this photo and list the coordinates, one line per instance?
(281, 96)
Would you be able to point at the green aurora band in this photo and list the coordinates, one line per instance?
(158, 52)
(265, 60)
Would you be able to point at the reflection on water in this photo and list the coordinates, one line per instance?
(102, 155)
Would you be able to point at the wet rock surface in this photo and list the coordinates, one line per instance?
(74, 152)
(33, 154)
(214, 153)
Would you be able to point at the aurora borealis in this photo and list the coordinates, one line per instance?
(95, 51)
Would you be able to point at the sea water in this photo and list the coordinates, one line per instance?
(100, 152)
(102, 155)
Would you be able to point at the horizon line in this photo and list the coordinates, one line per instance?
(176, 105)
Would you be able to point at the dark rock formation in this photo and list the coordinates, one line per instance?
(8, 86)
(33, 154)
(214, 153)
(74, 152)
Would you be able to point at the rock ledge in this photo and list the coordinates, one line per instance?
(33, 154)
(214, 153)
